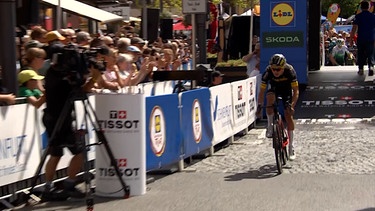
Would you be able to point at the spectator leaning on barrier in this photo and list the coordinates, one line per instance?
(8, 99)
(136, 53)
(29, 88)
(34, 60)
(111, 76)
(126, 69)
(47, 63)
(216, 78)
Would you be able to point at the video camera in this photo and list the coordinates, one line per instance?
(73, 62)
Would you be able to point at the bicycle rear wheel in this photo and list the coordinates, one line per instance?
(278, 147)
(285, 155)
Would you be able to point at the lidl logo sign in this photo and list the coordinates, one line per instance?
(283, 14)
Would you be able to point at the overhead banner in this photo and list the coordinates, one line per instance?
(284, 30)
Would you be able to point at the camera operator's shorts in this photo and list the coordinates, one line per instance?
(64, 136)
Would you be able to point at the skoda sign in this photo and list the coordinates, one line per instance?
(283, 39)
(282, 14)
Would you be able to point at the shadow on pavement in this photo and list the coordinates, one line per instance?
(264, 172)
(368, 209)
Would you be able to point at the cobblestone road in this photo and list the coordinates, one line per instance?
(321, 148)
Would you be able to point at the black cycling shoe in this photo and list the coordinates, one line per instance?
(54, 196)
(370, 72)
(75, 193)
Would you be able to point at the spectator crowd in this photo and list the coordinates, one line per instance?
(129, 60)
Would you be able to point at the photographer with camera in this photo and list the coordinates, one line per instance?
(252, 59)
(65, 82)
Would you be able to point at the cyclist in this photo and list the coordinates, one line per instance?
(282, 80)
(340, 53)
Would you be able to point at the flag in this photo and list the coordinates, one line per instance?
(333, 13)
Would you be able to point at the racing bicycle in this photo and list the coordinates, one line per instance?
(280, 139)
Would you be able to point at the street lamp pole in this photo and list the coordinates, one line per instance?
(144, 20)
(251, 26)
(58, 15)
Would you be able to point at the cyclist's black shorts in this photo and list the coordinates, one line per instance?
(286, 95)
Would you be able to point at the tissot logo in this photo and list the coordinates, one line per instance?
(118, 120)
(283, 39)
(239, 93)
(122, 162)
(117, 114)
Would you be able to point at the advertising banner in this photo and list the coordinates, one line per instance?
(20, 144)
(240, 105)
(163, 140)
(221, 112)
(122, 117)
(196, 124)
(284, 30)
(251, 99)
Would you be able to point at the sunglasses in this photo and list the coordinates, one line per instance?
(277, 69)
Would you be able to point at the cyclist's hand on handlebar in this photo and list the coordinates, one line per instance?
(259, 111)
(291, 110)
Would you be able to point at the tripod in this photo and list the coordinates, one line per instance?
(81, 134)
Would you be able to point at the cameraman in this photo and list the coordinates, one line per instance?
(59, 92)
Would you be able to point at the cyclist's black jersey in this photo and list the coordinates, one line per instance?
(280, 85)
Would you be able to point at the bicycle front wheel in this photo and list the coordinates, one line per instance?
(285, 155)
(277, 142)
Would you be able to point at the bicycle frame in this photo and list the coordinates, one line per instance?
(278, 120)
(280, 137)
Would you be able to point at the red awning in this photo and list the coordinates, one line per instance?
(180, 26)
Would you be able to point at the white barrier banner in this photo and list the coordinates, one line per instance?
(147, 88)
(251, 99)
(159, 88)
(20, 143)
(221, 112)
(122, 117)
(240, 104)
